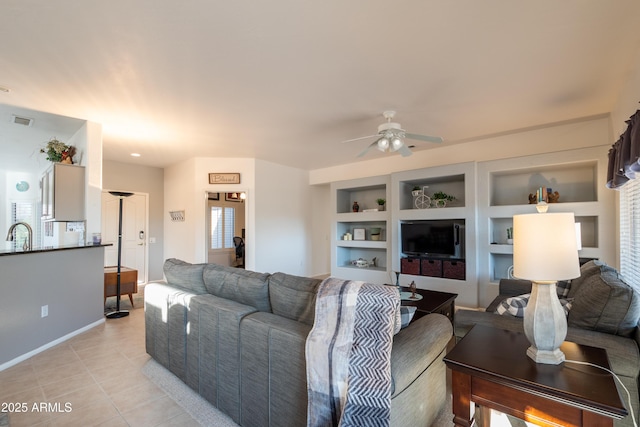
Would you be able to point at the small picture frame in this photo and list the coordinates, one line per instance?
(358, 234)
(232, 197)
(214, 196)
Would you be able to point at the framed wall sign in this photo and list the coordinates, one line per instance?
(224, 178)
(358, 234)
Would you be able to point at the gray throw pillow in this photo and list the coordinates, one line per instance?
(237, 284)
(587, 270)
(604, 302)
(185, 275)
(294, 297)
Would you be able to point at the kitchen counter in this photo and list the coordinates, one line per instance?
(4, 252)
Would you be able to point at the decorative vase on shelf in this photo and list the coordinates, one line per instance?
(355, 207)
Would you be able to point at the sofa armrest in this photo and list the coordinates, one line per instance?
(416, 347)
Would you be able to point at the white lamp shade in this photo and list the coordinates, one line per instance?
(545, 247)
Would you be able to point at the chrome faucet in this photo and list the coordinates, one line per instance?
(26, 246)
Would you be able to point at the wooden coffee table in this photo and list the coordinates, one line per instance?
(432, 302)
(490, 367)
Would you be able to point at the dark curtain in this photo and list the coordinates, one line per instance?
(624, 155)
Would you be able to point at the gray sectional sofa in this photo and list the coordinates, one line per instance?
(238, 339)
(604, 313)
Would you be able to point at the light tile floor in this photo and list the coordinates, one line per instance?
(92, 379)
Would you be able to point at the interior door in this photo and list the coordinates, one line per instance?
(134, 232)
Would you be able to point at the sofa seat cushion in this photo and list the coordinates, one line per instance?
(236, 284)
(603, 301)
(185, 275)
(293, 297)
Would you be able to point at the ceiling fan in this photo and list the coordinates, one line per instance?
(390, 137)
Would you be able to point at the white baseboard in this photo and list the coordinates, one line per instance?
(40, 349)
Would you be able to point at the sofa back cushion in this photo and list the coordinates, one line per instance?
(243, 286)
(185, 275)
(293, 297)
(604, 302)
(587, 270)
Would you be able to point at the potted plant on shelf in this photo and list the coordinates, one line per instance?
(440, 199)
(381, 203)
(416, 191)
(59, 152)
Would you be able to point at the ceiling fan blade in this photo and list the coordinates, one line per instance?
(373, 144)
(423, 137)
(404, 150)
(358, 139)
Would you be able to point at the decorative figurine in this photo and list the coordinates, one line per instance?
(412, 288)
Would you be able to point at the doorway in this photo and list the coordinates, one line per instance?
(134, 231)
(225, 228)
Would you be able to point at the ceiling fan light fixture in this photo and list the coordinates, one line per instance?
(383, 144)
(396, 143)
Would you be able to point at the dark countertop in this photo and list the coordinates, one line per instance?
(4, 252)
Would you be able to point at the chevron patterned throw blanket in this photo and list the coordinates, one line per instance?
(348, 354)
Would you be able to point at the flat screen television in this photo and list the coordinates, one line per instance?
(434, 237)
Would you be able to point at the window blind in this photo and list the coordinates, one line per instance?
(223, 225)
(630, 233)
(23, 212)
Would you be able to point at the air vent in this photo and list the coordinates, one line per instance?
(24, 121)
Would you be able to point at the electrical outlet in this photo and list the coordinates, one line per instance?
(44, 311)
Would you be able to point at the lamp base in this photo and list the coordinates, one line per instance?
(545, 324)
(549, 357)
(117, 314)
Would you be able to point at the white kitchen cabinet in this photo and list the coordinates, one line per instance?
(63, 193)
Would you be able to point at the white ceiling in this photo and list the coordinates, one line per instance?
(287, 80)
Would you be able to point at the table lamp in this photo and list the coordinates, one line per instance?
(545, 250)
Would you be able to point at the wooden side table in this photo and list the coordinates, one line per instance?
(433, 302)
(490, 367)
(128, 282)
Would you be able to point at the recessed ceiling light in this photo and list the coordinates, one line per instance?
(135, 154)
(4, 89)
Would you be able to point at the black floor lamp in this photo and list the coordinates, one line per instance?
(118, 314)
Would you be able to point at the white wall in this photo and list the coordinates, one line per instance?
(283, 221)
(555, 137)
(185, 188)
(142, 179)
(283, 215)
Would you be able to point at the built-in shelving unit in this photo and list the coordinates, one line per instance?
(456, 180)
(487, 196)
(504, 187)
(346, 253)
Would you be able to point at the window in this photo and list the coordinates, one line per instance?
(223, 225)
(23, 212)
(630, 232)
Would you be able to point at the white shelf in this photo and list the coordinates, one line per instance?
(370, 244)
(432, 213)
(362, 216)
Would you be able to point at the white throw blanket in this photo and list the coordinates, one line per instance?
(348, 354)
